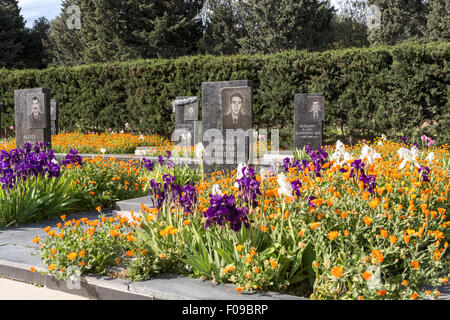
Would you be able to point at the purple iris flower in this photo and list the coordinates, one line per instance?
(404, 139)
(249, 186)
(147, 164)
(425, 172)
(296, 185)
(223, 210)
(161, 160)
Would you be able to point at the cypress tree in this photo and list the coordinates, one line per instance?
(222, 31)
(438, 20)
(270, 26)
(12, 34)
(401, 20)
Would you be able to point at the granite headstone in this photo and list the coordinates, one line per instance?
(54, 116)
(226, 118)
(32, 116)
(309, 112)
(186, 119)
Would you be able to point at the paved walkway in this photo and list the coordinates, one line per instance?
(15, 290)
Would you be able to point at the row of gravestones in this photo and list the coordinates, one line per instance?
(226, 105)
(36, 116)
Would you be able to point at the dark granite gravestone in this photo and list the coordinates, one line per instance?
(32, 116)
(186, 120)
(309, 112)
(54, 116)
(226, 117)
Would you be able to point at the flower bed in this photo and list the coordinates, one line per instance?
(367, 222)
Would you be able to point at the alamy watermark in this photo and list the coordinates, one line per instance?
(74, 19)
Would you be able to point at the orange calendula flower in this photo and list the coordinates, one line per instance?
(71, 255)
(366, 275)
(63, 217)
(337, 271)
(36, 239)
(47, 229)
(384, 233)
(405, 282)
(374, 203)
(81, 253)
(414, 296)
(415, 264)
(333, 235)
(392, 239)
(129, 253)
(381, 292)
(239, 289)
(367, 221)
(32, 269)
(98, 208)
(52, 267)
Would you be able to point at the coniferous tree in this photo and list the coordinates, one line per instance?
(270, 26)
(12, 35)
(118, 30)
(401, 20)
(37, 36)
(222, 31)
(438, 20)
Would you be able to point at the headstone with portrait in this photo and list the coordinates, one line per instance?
(309, 112)
(227, 123)
(32, 116)
(54, 116)
(187, 127)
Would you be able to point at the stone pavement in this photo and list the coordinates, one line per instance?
(16, 290)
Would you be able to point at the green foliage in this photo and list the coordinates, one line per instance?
(401, 20)
(120, 30)
(438, 22)
(12, 34)
(271, 26)
(397, 90)
(34, 200)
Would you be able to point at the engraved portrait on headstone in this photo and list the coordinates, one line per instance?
(35, 111)
(236, 108)
(315, 107)
(191, 111)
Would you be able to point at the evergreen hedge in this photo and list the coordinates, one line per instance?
(395, 90)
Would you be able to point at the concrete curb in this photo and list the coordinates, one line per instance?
(165, 287)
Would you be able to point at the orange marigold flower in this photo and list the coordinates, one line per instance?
(63, 217)
(414, 296)
(384, 233)
(367, 221)
(374, 203)
(415, 264)
(71, 255)
(333, 235)
(337, 271)
(129, 253)
(98, 208)
(239, 289)
(393, 239)
(52, 267)
(47, 229)
(405, 282)
(366, 275)
(33, 269)
(381, 292)
(81, 253)
(36, 239)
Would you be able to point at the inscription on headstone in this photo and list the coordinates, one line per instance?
(32, 116)
(309, 112)
(227, 112)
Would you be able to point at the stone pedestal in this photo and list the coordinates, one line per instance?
(309, 112)
(32, 116)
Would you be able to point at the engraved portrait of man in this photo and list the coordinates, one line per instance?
(190, 111)
(315, 108)
(36, 116)
(237, 116)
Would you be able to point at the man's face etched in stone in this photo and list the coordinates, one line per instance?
(191, 110)
(236, 105)
(35, 107)
(315, 106)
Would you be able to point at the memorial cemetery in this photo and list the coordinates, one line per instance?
(317, 175)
